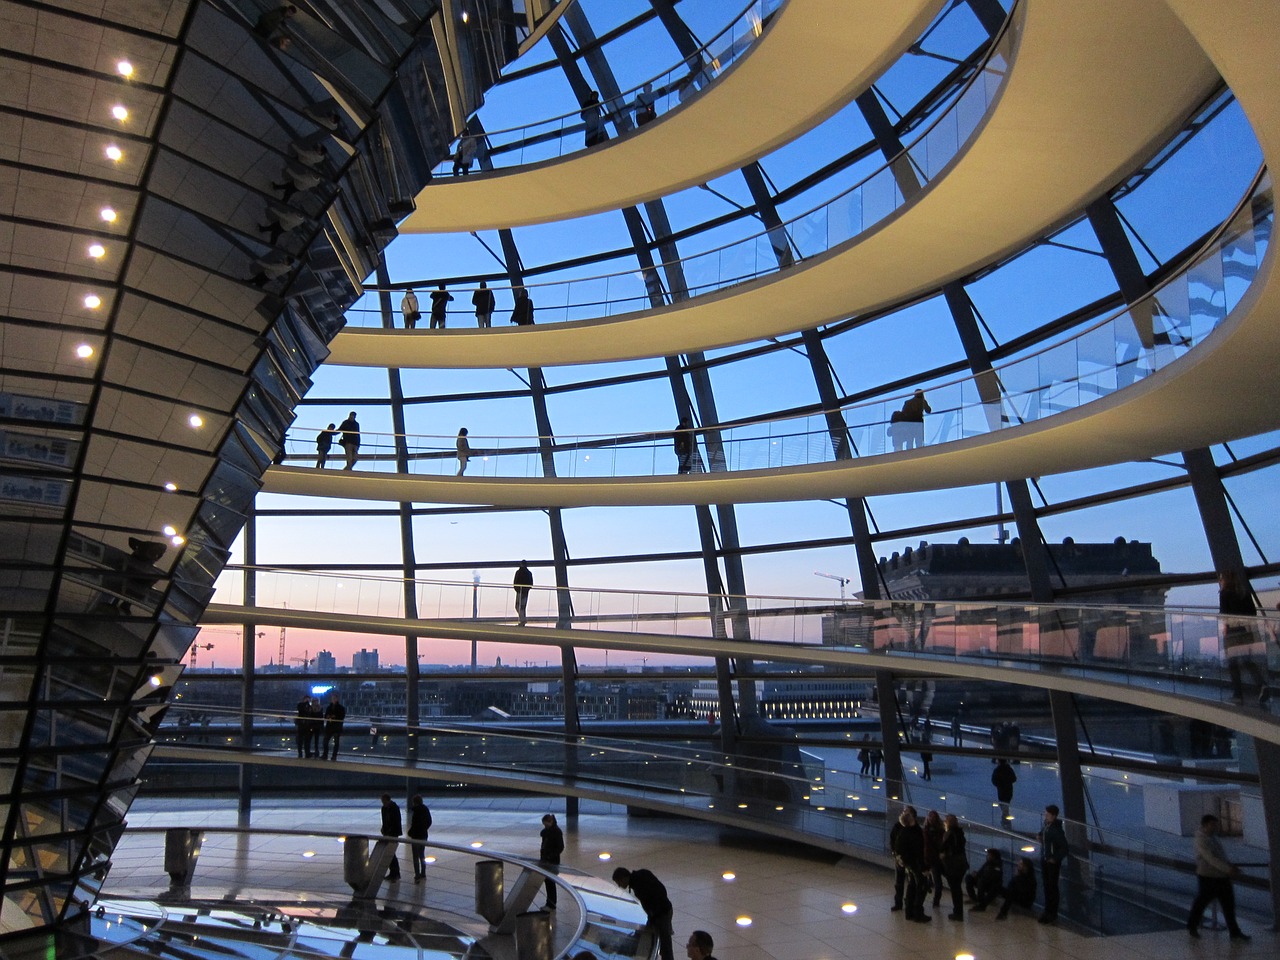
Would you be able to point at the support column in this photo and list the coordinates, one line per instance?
(244, 800)
(1268, 755)
(887, 697)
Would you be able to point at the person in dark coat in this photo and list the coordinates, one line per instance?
(350, 439)
(987, 882)
(549, 852)
(324, 443)
(1053, 850)
(392, 828)
(684, 444)
(419, 827)
(521, 582)
(440, 298)
(484, 303)
(908, 852)
(334, 716)
(300, 723)
(1021, 891)
(1242, 644)
(933, 833)
(1003, 778)
(522, 311)
(592, 114)
(652, 895)
(955, 864)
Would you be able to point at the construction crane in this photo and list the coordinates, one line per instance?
(195, 651)
(280, 659)
(831, 576)
(306, 660)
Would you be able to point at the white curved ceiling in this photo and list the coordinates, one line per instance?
(815, 57)
(1094, 88)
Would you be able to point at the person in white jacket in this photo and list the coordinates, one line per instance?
(1214, 873)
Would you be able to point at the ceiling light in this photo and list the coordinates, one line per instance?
(728, 875)
(108, 214)
(93, 301)
(171, 487)
(477, 844)
(120, 112)
(97, 251)
(84, 351)
(743, 921)
(155, 680)
(168, 530)
(177, 541)
(605, 855)
(124, 68)
(849, 908)
(196, 421)
(114, 153)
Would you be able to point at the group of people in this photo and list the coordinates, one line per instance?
(927, 855)
(318, 728)
(419, 827)
(482, 301)
(347, 434)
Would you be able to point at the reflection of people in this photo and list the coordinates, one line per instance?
(440, 298)
(138, 572)
(1053, 850)
(1213, 875)
(324, 441)
(1243, 645)
(350, 439)
(652, 895)
(483, 301)
(522, 581)
(549, 851)
(419, 827)
(464, 451)
(409, 308)
(682, 441)
(334, 715)
(392, 827)
(906, 426)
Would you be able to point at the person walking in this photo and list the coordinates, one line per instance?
(484, 303)
(392, 828)
(440, 298)
(522, 581)
(1214, 873)
(419, 828)
(955, 864)
(648, 889)
(549, 850)
(1053, 850)
(324, 443)
(684, 444)
(409, 309)
(350, 439)
(1003, 778)
(464, 451)
(334, 716)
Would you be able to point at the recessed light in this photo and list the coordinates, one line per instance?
(168, 530)
(171, 487)
(84, 351)
(728, 875)
(97, 251)
(743, 921)
(93, 301)
(848, 908)
(964, 956)
(124, 68)
(605, 855)
(120, 112)
(114, 153)
(196, 421)
(429, 859)
(155, 680)
(177, 541)
(476, 844)
(108, 214)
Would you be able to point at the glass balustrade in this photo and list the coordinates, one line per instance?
(1168, 650)
(1096, 360)
(557, 136)
(817, 231)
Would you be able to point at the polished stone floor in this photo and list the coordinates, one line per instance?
(760, 899)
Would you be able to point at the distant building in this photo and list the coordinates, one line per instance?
(365, 661)
(326, 663)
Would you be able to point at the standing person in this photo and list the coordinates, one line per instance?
(899, 871)
(864, 761)
(909, 854)
(464, 451)
(302, 734)
(699, 946)
(334, 715)
(926, 758)
(392, 828)
(440, 298)
(684, 444)
(987, 882)
(1053, 850)
(911, 420)
(1242, 645)
(522, 311)
(933, 835)
(409, 309)
(1213, 875)
(1003, 778)
(877, 758)
(1021, 891)
(484, 303)
(315, 723)
(324, 443)
(592, 114)
(350, 439)
(955, 864)
(419, 827)
(463, 156)
(549, 851)
(522, 581)
(643, 106)
(957, 737)
(652, 895)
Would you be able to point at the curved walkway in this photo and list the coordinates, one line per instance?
(1094, 88)
(783, 86)
(1181, 695)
